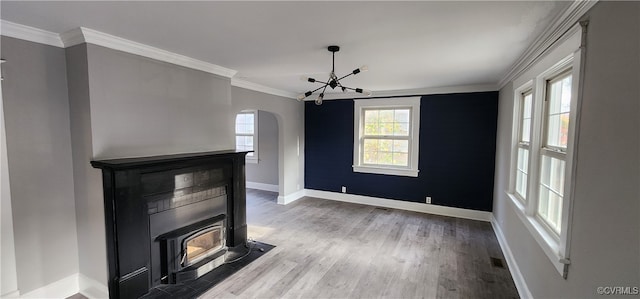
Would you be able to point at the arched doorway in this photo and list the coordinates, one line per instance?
(257, 130)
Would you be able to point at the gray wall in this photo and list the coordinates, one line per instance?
(290, 116)
(36, 111)
(8, 279)
(142, 107)
(266, 170)
(605, 244)
(92, 252)
(124, 105)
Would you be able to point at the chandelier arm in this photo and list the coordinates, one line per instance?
(358, 90)
(347, 75)
(310, 92)
(321, 82)
(321, 87)
(350, 88)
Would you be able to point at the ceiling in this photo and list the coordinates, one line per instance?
(406, 45)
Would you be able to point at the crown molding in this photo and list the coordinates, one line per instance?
(413, 92)
(85, 35)
(90, 36)
(31, 34)
(72, 37)
(261, 88)
(559, 26)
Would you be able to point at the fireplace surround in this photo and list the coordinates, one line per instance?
(171, 219)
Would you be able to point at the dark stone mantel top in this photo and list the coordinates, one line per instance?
(127, 163)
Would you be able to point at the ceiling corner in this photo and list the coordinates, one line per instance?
(559, 26)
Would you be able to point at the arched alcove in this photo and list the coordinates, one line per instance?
(289, 115)
(262, 168)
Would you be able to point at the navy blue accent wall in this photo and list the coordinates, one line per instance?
(457, 152)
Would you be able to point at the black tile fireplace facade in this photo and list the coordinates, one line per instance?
(171, 218)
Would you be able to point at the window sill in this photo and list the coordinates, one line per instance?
(548, 243)
(251, 160)
(387, 171)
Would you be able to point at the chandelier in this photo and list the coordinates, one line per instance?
(333, 80)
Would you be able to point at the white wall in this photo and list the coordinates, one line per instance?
(36, 111)
(290, 116)
(605, 244)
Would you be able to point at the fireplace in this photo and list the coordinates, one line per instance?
(171, 219)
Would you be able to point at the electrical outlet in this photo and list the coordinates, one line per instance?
(344, 189)
(428, 199)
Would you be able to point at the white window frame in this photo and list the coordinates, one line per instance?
(254, 158)
(521, 93)
(413, 103)
(567, 55)
(543, 149)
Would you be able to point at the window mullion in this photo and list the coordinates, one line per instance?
(387, 137)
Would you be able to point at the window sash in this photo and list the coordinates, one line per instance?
(241, 124)
(522, 173)
(547, 110)
(549, 200)
(551, 185)
(364, 136)
(392, 152)
(244, 125)
(523, 117)
(393, 122)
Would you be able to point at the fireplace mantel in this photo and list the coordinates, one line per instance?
(129, 182)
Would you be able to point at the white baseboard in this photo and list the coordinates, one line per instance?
(68, 286)
(12, 294)
(261, 186)
(91, 288)
(287, 199)
(401, 205)
(518, 279)
(62, 288)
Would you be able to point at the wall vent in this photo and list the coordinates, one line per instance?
(496, 262)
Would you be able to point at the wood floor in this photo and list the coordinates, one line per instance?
(329, 249)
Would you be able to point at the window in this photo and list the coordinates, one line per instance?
(247, 134)
(554, 150)
(386, 136)
(544, 126)
(524, 139)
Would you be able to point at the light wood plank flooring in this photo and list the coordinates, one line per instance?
(329, 249)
